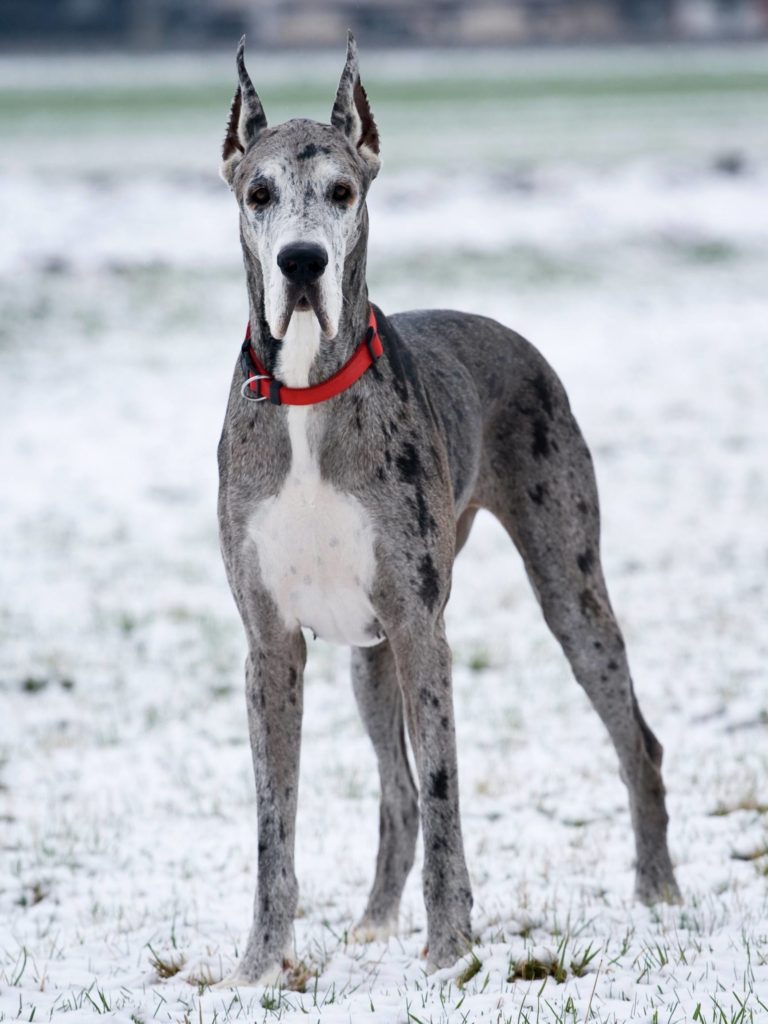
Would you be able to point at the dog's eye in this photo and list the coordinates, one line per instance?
(341, 193)
(259, 196)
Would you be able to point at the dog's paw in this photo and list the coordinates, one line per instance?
(661, 892)
(656, 884)
(446, 951)
(367, 930)
(447, 966)
(242, 978)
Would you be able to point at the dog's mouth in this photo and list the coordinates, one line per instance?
(303, 299)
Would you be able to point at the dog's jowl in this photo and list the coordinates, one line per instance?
(356, 450)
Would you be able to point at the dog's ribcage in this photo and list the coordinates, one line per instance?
(315, 544)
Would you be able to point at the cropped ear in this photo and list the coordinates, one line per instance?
(351, 113)
(246, 119)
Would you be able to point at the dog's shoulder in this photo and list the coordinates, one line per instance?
(449, 331)
(436, 338)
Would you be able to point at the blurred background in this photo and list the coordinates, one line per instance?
(591, 173)
(201, 23)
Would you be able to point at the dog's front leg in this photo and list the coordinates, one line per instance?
(274, 692)
(424, 668)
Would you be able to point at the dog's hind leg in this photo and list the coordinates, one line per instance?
(374, 679)
(581, 618)
(464, 526)
(547, 500)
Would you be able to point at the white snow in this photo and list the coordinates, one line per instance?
(127, 816)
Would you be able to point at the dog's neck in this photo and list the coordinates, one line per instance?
(303, 357)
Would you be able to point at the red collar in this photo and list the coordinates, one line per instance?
(266, 387)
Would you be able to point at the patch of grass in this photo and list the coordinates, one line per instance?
(165, 965)
(296, 975)
(652, 958)
(748, 803)
(34, 684)
(539, 967)
(16, 972)
(756, 854)
(271, 1000)
(581, 960)
(35, 894)
(473, 967)
(479, 660)
(127, 622)
(703, 250)
(535, 968)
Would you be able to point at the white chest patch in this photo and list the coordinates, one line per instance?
(315, 544)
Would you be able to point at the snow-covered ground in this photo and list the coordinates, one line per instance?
(623, 228)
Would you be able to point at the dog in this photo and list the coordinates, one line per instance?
(356, 450)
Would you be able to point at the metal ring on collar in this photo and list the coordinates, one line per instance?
(247, 383)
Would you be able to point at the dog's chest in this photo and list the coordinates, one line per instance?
(316, 544)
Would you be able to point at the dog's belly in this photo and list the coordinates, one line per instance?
(316, 555)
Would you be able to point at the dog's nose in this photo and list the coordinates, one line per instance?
(302, 262)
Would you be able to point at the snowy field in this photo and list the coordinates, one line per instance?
(612, 208)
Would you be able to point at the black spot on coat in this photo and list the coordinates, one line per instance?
(429, 586)
(588, 603)
(311, 149)
(586, 561)
(409, 464)
(537, 493)
(543, 394)
(425, 518)
(438, 784)
(540, 447)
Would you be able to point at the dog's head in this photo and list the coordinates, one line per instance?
(301, 190)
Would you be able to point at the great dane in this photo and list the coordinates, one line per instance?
(356, 450)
